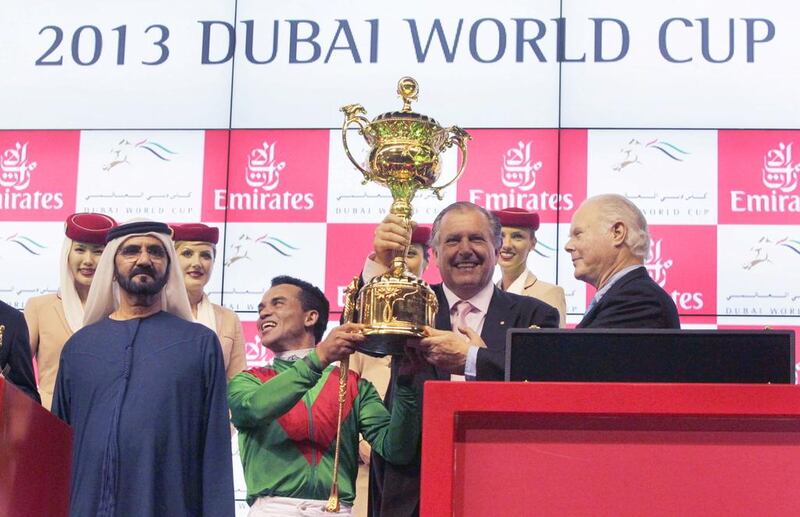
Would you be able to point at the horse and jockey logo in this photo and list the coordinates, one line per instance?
(15, 167)
(125, 150)
(635, 151)
(765, 248)
(241, 247)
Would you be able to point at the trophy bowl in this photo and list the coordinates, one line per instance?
(405, 147)
(404, 157)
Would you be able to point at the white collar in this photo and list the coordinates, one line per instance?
(293, 355)
(519, 284)
(611, 281)
(480, 301)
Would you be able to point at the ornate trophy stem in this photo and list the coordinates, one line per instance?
(350, 294)
(404, 157)
(402, 209)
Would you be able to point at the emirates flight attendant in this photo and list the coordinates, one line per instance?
(53, 318)
(196, 247)
(519, 239)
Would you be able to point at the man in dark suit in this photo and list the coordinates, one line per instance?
(16, 364)
(609, 243)
(471, 323)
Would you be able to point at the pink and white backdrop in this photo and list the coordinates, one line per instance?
(227, 113)
(723, 205)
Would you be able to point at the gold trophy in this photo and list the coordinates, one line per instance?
(404, 156)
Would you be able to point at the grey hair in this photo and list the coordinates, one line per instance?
(494, 224)
(615, 208)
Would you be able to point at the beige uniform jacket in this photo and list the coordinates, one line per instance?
(528, 285)
(48, 330)
(231, 339)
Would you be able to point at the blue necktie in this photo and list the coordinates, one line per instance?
(591, 305)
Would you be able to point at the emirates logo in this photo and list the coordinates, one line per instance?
(779, 171)
(778, 174)
(16, 168)
(263, 169)
(657, 266)
(519, 168)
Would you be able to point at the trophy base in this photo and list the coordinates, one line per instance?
(383, 343)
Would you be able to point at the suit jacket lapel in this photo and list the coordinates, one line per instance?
(500, 316)
(637, 273)
(589, 316)
(443, 314)
(442, 322)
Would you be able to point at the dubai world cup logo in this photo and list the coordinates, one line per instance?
(779, 171)
(263, 169)
(765, 250)
(519, 168)
(16, 168)
(634, 152)
(126, 152)
(241, 247)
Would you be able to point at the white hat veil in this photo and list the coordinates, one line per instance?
(103, 296)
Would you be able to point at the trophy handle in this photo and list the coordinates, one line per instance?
(350, 299)
(354, 114)
(460, 138)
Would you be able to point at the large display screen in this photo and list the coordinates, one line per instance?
(227, 112)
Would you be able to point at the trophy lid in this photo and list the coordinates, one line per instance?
(408, 90)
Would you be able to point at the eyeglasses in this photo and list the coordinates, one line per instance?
(133, 252)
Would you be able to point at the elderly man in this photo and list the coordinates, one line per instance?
(609, 243)
(144, 390)
(519, 239)
(471, 325)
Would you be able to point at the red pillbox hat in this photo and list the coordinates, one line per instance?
(518, 218)
(90, 228)
(195, 232)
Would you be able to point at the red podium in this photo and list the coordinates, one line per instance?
(503, 449)
(35, 457)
